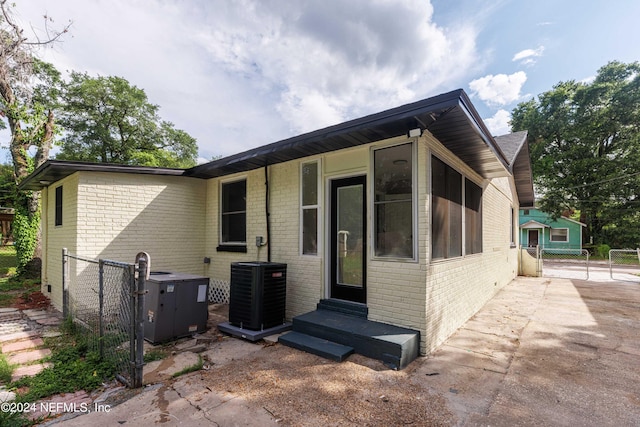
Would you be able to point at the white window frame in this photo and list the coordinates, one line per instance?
(414, 201)
(566, 236)
(303, 208)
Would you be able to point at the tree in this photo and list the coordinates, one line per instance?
(108, 120)
(585, 150)
(28, 93)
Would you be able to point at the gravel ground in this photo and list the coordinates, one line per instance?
(300, 389)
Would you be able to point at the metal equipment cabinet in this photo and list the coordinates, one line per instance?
(175, 306)
(258, 294)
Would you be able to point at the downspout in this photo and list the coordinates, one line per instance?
(266, 210)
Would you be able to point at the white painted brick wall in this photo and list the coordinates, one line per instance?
(115, 216)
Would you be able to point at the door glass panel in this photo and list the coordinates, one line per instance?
(349, 239)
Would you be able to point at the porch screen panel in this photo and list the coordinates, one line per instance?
(472, 217)
(446, 206)
(393, 201)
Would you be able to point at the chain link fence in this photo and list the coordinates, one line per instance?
(567, 263)
(103, 298)
(624, 264)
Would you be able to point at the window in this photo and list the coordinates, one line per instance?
(559, 234)
(446, 208)
(472, 218)
(309, 208)
(58, 215)
(234, 212)
(393, 201)
(448, 190)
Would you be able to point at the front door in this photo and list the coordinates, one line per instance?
(533, 238)
(348, 239)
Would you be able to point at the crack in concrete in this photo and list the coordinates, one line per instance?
(204, 412)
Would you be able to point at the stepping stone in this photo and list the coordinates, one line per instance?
(8, 310)
(31, 311)
(49, 321)
(16, 346)
(76, 400)
(8, 328)
(7, 317)
(28, 370)
(38, 315)
(51, 334)
(28, 356)
(16, 336)
(7, 396)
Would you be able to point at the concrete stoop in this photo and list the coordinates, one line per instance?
(339, 328)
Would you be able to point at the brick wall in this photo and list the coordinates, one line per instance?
(115, 216)
(54, 238)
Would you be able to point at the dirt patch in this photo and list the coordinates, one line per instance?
(33, 300)
(300, 389)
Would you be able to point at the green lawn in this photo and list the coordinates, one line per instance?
(11, 286)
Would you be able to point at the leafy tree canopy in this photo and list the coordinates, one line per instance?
(585, 151)
(108, 120)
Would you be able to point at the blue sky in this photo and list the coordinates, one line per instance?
(240, 74)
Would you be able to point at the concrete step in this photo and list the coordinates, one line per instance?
(318, 346)
(396, 347)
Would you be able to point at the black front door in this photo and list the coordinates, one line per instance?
(348, 239)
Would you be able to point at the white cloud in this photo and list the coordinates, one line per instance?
(527, 56)
(500, 89)
(236, 75)
(499, 123)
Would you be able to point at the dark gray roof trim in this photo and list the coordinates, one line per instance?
(55, 170)
(516, 148)
(450, 117)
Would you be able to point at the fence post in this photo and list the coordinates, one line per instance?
(101, 307)
(139, 322)
(65, 283)
(587, 252)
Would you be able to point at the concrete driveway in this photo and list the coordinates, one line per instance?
(542, 352)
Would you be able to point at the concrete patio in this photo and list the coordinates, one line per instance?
(560, 352)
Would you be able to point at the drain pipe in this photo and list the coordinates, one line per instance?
(266, 210)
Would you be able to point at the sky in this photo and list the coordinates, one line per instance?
(240, 74)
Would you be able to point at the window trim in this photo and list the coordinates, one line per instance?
(566, 240)
(317, 207)
(414, 202)
(231, 246)
(58, 206)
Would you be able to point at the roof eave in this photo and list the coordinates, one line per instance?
(54, 170)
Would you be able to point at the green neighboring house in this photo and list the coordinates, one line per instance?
(540, 229)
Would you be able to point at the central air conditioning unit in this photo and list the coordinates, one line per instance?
(258, 295)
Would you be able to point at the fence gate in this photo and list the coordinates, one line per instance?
(104, 299)
(624, 264)
(565, 263)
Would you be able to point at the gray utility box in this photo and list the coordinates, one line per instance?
(175, 306)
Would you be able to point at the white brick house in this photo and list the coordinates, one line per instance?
(411, 211)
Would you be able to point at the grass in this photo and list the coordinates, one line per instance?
(195, 367)
(6, 370)
(153, 355)
(75, 367)
(12, 286)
